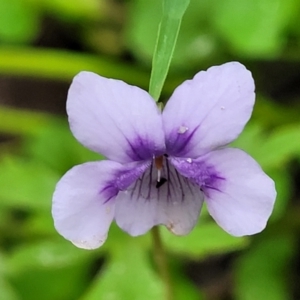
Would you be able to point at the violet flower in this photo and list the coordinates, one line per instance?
(160, 167)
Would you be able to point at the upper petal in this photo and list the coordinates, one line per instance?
(208, 111)
(115, 119)
(240, 196)
(83, 203)
(174, 201)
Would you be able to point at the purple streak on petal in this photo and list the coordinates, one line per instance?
(202, 173)
(150, 181)
(176, 142)
(120, 121)
(208, 111)
(129, 174)
(143, 149)
(175, 203)
(81, 212)
(109, 191)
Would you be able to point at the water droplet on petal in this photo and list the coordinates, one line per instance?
(222, 107)
(182, 129)
(189, 160)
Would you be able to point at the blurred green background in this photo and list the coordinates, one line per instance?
(43, 44)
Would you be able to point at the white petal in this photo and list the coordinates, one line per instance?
(243, 202)
(208, 111)
(83, 203)
(115, 119)
(176, 203)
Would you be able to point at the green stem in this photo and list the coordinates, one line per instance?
(161, 261)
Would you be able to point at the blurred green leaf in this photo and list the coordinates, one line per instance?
(262, 272)
(142, 27)
(39, 225)
(281, 146)
(183, 288)
(248, 140)
(7, 291)
(284, 188)
(196, 42)
(72, 10)
(126, 275)
(49, 270)
(64, 65)
(273, 114)
(17, 121)
(271, 150)
(56, 138)
(19, 22)
(26, 184)
(205, 239)
(254, 28)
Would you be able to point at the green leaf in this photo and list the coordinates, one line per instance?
(19, 22)
(205, 239)
(7, 291)
(262, 272)
(281, 146)
(26, 184)
(168, 30)
(250, 138)
(56, 270)
(39, 225)
(56, 138)
(284, 188)
(64, 65)
(73, 10)
(273, 150)
(17, 121)
(254, 28)
(197, 46)
(184, 288)
(126, 275)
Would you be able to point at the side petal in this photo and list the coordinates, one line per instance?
(243, 201)
(174, 202)
(115, 119)
(208, 111)
(83, 203)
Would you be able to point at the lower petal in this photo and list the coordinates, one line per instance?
(243, 201)
(84, 204)
(174, 201)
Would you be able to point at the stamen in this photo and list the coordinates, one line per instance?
(159, 165)
(158, 175)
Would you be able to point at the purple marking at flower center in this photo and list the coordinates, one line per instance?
(177, 141)
(164, 178)
(109, 192)
(168, 185)
(199, 172)
(143, 149)
(123, 179)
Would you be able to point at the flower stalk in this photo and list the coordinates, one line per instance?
(162, 262)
